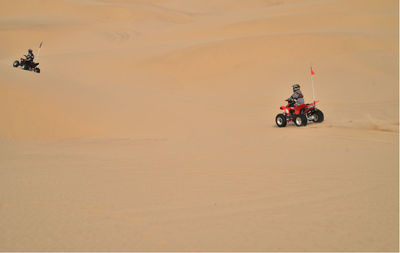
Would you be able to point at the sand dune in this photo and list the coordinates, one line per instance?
(151, 126)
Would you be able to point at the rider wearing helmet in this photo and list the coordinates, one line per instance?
(297, 95)
(29, 56)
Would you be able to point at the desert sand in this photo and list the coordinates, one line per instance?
(152, 126)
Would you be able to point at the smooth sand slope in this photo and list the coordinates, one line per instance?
(151, 126)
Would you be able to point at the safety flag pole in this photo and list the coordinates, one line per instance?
(312, 83)
(40, 46)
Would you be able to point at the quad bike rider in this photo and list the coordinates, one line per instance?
(297, 95)
(27, 62)
(297, 111)
(29, 57)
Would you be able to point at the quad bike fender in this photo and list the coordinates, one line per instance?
(297, 109)
(285, 109)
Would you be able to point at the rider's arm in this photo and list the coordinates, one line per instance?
(294, 96)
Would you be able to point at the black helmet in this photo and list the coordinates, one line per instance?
(30, 50)
(296, 87)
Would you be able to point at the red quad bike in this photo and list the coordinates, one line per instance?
(27, 65)
(300, 114)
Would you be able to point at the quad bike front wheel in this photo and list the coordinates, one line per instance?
(37, 70)
(16, 64)
(300, 120)
(318, 116)
(280, 120)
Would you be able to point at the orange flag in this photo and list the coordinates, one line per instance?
(312, 72)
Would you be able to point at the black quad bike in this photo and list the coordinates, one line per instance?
(27, 65)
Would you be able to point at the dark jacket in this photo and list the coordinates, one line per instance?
(30, 57)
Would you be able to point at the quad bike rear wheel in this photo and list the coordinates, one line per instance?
(318, 116)
(300, 120)
(16, 64)
(280, 120)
